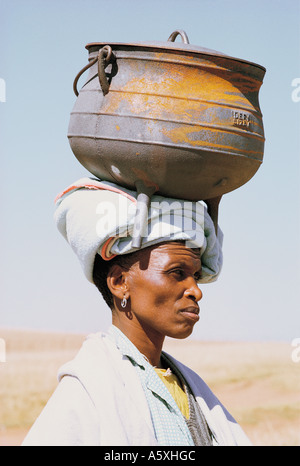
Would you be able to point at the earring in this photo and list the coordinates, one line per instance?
(124, 302)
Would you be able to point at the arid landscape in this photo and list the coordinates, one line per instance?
(258, 382)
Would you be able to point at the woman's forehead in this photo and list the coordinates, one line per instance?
(164, 253)
(175, 251)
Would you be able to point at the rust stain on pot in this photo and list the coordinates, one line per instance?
(191, 137)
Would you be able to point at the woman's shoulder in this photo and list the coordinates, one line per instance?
(97, 351)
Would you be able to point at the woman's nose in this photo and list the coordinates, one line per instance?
(193, 291)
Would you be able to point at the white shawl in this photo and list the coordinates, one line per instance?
(100, 402)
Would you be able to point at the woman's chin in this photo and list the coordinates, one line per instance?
(182, 333)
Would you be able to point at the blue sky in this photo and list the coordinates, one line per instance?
(42, 49)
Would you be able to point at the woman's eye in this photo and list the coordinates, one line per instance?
(198, 276)
(178, 272)
(181, 274)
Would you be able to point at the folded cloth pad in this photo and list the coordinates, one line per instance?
(97, 216)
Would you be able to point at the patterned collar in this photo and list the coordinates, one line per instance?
(169, 424)
(127, 348)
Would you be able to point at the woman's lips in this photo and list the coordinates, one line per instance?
(191, 313)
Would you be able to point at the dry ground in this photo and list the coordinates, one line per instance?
(257, 382)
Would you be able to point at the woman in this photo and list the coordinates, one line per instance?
(122, 389)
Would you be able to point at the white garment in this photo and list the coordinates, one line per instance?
(100, 402)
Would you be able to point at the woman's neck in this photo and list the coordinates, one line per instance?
(146, 342)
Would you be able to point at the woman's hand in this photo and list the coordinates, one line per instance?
(213, 209)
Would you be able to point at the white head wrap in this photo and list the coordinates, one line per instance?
(97, 217)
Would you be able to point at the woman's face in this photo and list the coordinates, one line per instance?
(163, 289)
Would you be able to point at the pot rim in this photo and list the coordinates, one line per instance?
(169, 47)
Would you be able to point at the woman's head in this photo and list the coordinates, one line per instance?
(159, 284)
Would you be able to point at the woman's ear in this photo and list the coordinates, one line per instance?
(117, 282)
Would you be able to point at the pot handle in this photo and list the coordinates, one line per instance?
(103, 58)
(179, 32)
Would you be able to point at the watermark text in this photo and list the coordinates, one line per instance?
(165, 219)
(296, 91)
(2, 350)
(2, 90)
(296, 351)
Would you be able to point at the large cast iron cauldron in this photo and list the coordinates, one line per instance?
(169, 117)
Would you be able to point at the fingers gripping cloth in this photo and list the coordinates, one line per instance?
(97, 217)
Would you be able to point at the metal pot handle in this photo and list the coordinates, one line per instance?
(103, 58)
(179, 32)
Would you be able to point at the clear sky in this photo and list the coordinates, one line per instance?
(42, 49)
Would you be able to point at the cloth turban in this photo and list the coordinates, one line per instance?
(97, 217)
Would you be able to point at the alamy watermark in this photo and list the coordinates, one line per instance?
(296, 351)
(2, 350)
(296, 91)
(2, 90)
(165, 218)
